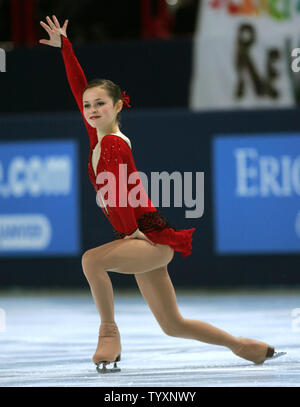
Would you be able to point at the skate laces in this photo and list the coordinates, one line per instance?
(108, 329)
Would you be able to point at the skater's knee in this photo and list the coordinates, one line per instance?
(85, 260)
(88, 261)
(173, 327)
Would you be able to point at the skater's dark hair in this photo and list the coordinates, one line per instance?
(113, 90)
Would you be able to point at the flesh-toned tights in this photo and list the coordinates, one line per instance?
(148, 263)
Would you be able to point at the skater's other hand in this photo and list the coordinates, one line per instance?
(54, 30)
(139, 235)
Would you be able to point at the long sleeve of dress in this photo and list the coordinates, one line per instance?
(76, 79)
(114, 161)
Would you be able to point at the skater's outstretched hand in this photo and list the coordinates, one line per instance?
(54, 30)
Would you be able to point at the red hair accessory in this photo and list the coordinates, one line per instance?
(126, 99)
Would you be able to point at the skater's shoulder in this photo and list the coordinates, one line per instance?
(113, 138)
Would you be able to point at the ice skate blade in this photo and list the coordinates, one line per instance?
(276, 355)
(104, 369)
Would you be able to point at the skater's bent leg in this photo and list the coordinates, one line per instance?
(126, 256)
(102, 292)
(100, 283)
(158, 291)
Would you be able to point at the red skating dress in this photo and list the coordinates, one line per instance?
(115, 151)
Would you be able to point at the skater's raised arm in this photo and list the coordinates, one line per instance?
(75, 74)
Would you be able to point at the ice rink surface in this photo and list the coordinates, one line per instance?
(48, 340)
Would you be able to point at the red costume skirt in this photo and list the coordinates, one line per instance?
(156, 227)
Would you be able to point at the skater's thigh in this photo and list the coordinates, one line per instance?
(131, 256)
(134, 256)
(99, 250)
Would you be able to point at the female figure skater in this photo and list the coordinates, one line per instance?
(145, 242)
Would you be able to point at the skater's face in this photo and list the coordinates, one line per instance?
(99, 109)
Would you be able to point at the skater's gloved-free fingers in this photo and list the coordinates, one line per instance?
(54, 30)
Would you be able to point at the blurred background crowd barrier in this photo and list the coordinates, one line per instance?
(214, 88)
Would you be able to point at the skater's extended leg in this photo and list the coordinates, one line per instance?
(158, 291)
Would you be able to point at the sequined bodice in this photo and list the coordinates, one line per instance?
(97, 150)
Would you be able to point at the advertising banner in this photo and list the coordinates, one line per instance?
(256, 193)
(39, 198)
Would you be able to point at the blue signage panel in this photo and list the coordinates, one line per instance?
(256, 184)
(39, 198)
